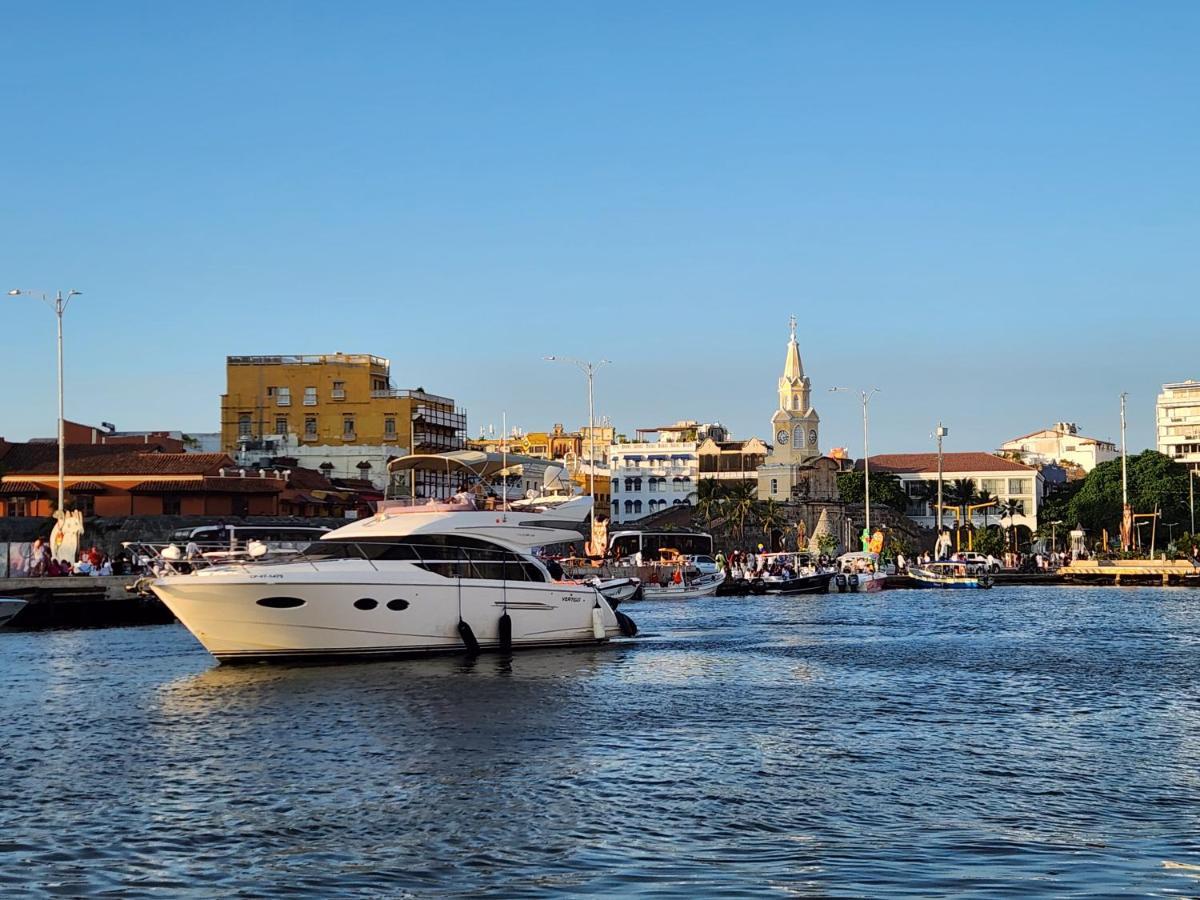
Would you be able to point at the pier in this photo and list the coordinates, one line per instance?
(1133, 571)
(82, 602)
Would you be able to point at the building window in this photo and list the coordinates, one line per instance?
(283, 396)
(653, 484)
(348, 427)
(389, 427)
(171, 505)
(17, 506)
(339, 390)
(84, 503)
(637, 507)
(281, 425)
(628, 507)
(798, 436)
(774, 486)
(1018, 485)
(637, 486)
(244, 425)
(310, 396)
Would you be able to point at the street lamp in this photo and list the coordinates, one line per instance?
(866, 399)
(59, 305)
(588, 369)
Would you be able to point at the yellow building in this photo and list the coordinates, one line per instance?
(289, 403)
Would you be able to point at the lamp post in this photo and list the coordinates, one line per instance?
(1126, 512)
(59, 305)
(866, 399)
(588, 369)
(940, 432)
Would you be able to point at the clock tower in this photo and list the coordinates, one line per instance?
(795, 430)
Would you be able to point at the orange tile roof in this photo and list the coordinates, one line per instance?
(926, 463)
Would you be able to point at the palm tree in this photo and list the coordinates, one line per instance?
(985, 496)
(771, 516)
(739, 505)
(1010, 509)
(961, 494)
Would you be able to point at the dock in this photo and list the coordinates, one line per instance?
(1133, 571)
(81, 601)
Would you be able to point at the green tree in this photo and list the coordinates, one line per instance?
(989, 539)
(771, 516)
(1010, 509)
(1155, 482)
(886, 489)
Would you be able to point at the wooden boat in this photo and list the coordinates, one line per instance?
(951, 575)
(704, 586)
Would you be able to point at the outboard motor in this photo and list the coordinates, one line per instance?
(854, 582)
(840, 580)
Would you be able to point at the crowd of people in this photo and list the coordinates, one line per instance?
(89, 561)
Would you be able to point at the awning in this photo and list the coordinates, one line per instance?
(87, 487)
(20, 488)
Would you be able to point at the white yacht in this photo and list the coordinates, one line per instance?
(420, 576)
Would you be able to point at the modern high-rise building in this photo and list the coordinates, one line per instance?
(1177, 421)
(335, 412)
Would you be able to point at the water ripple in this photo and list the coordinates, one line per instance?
(907, 743)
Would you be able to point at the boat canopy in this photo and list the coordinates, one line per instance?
(477, 462)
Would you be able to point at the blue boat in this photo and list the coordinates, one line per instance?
(951, 575)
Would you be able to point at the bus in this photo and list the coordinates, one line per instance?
(627, 544)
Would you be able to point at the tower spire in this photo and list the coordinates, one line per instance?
(793, 369)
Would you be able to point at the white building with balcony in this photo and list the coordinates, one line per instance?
(647, 476)
(1002, 478)
(1061, 444)
(1177, 422)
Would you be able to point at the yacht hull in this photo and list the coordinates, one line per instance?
(236, 616)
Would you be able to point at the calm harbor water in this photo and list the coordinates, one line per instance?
(1033, 741)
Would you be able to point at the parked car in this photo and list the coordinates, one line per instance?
(705, 565)
(972, 557)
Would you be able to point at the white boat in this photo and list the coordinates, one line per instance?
(704, 586)
(420, 576)
(858, 573)
(10, 608)
(616, 590)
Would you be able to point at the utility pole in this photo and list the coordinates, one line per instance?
(866, 399)
(941, 432)
(59, 306)
(589, 370)
(1126, 512)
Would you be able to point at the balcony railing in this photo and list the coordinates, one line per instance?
(337, 395)
(310, 401)
(353, 359)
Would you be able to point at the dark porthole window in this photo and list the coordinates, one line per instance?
(397, 605)
(280, 602)
(366, 603)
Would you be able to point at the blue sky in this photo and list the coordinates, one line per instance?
(989, 211)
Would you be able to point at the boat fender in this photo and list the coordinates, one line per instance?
(597, 623)
(468, 637)
(639, 594)
(505, 633)
(627, 625)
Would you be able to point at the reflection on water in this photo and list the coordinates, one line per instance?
(910, 742)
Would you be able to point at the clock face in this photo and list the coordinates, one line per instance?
(782, 437)
(812, 437)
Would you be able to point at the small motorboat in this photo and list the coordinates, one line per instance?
(685, 589)
(10, 608)
(951, 575)
(858, 573)
(616, 590)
